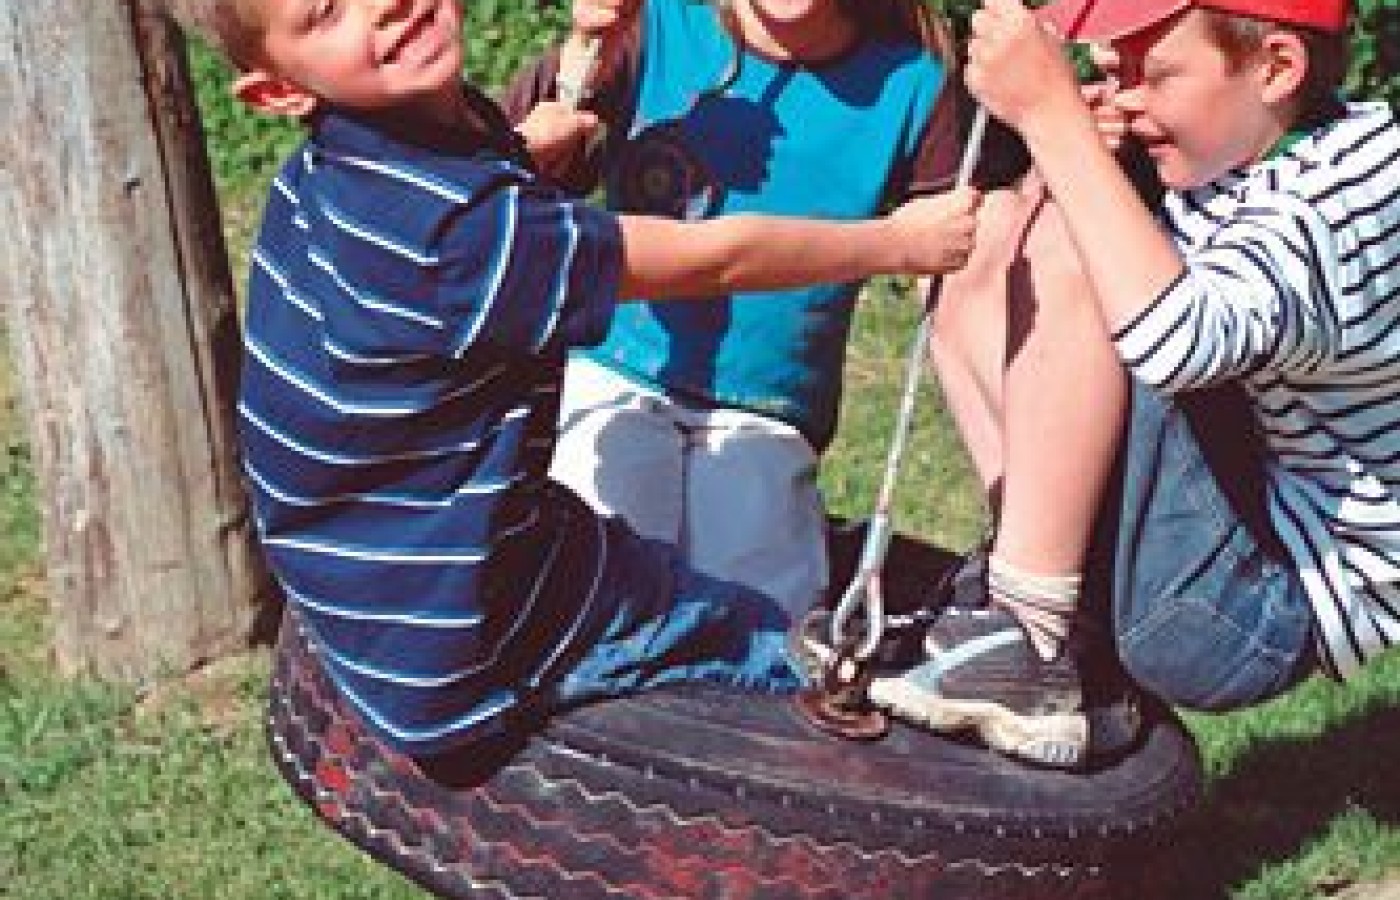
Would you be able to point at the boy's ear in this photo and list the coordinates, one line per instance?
(1285, 66)
(269, 94)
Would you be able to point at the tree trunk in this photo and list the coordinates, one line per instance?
(123, 324)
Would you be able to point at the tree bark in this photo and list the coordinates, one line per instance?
(124, 328)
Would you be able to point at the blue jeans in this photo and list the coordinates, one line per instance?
(669, 624)
(1207, 610)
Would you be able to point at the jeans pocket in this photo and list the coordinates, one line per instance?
(1190, 653)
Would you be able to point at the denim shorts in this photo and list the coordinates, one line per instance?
(1207, 610)
(664, 624)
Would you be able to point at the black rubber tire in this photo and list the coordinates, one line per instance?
(705, 794)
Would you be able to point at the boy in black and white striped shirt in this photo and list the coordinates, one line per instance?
(1245, 362)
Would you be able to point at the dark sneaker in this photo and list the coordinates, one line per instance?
(979, 673)
(982, 674)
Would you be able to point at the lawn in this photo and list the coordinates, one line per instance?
(107, 794)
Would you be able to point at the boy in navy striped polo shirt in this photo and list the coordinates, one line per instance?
(414, 289)
(1244, 358)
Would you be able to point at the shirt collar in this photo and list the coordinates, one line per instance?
(1297, 152)
(385, 134)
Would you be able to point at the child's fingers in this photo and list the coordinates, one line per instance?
(583, 122)
(982, 24)
(1109, 119)
(962, 201)
(939, 231)
(597, 16)
(1105, 59)
(1113, 130)
(591, 16)
(1096, 93)
(1003, 8)
(1002, 31)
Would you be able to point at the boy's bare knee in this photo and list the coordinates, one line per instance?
(1047, 269)
(999, 222)
(1048, 240)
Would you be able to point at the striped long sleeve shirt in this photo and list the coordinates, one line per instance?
(409, 309)
(1292, 287)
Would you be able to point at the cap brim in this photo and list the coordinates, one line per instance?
(1106, 20)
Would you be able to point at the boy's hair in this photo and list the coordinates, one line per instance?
(238, 27)
(1239, 37)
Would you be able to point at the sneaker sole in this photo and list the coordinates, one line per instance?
(1057, 739)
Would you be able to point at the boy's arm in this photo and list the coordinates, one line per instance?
(1258, 297)
(1021, 74)
(523, 269)
(1251, 300)
(668, 259)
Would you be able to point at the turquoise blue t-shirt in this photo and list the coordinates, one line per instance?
(838, 140)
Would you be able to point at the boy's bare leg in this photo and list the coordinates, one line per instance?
(1030, 377)
(1040, 397)
(1065, 403)
(968, 339)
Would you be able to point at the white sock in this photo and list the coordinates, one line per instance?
(1043, 604)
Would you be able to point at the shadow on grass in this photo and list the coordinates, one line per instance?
(1283, 795)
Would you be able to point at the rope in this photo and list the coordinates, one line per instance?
(576, 64)
(866, 585)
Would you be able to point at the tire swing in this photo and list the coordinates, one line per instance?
(698, 792)
(691, 793)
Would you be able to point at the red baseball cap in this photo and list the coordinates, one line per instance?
(1108, 20)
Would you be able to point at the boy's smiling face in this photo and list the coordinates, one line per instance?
(1197, 112)
(358, 54)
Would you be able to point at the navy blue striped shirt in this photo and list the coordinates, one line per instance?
(409, 310)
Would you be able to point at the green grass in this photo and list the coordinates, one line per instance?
(935, 495)
(105, 795)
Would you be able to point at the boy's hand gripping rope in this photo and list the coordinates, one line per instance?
(576, 64)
